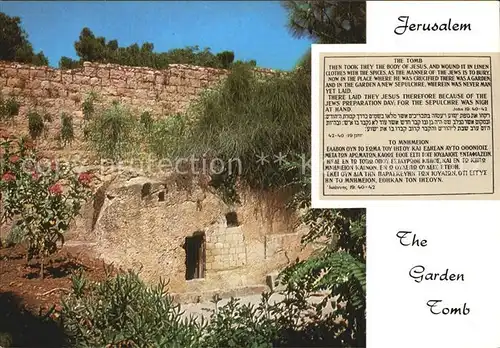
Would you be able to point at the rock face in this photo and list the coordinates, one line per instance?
(148, 225)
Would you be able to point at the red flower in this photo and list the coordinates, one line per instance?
(56, 189)
(53, 165)
(8, 177)
(85, 178)
(14, 159)
(35, 175)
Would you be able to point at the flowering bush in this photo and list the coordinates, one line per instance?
(42, 198)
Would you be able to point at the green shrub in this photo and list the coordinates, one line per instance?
(339, 268)
(123, 311)
(113, 132)
(167, 136)
(16, 235)
(67, 131)
(35, 124)
(88, 107)
(9, 108)
(5, 339)
(47, 117)
(146, 120)
(248, 116)
(68, 63)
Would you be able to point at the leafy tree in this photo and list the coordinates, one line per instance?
(327, 21)
(225, 58)
(14, 44)
(96, 49)
(89, 47)
(68, 63)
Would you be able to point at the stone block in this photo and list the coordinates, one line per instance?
(145, 85)
(171, 89)
(54, 75)
(10, 72)
(81, 79)
(23, 73)
(67, 78)
(130, 74)
(89, 70)
(103, 73)
(45, 85)
(16, 91)
(174, 81)
(40, 93)
(118, 83)
(16, 82)
(95, 81)
(117, 74)
(147, 77)
(141, 93)
(160, 79)
(195, 83)
(153, 95)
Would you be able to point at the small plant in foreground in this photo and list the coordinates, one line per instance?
(146, 120)
(88, 106)
(123, 311)
(35, 124)
(8, 108)
(47, 117)
(67, 131)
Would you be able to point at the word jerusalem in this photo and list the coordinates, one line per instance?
(400, 30)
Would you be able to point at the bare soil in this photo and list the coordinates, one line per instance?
(24, 296)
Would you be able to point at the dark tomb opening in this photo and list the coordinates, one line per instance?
(161, 196)
(146, 190)
(195, 256)
(232, 219)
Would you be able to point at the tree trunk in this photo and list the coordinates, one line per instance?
(41, 267)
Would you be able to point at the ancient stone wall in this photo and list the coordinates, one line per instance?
(159, 91)
(53, 91)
